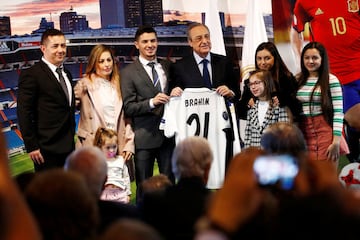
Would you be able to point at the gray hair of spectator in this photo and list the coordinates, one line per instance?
(130, 229)
(90, 162)
(192, 157)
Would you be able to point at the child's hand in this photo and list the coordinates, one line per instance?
(276, 101)
(251, 103)
(126, 155)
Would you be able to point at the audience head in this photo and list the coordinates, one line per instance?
(192, 157)
(261, 84)
(90, 162)
(130, 229)
(153, 186)
(107, 140)
(198, 35)
(283, 138)
(23, 179)
(16, 219)
(155, 183)
(63, 205)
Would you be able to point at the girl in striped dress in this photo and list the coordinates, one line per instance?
(321, 96)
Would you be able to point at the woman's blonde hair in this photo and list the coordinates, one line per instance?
(93, 59)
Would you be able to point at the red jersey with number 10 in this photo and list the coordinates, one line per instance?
(335, 24)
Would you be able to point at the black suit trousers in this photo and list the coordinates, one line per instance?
(51, 160)
(145, 159)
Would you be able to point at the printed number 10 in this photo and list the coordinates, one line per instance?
(338, 25)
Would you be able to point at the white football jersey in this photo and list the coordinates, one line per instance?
(200, 112)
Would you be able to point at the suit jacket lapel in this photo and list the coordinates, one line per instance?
(50, 74)
(215, 70)
(95, 98)
(68, 74)
(52, 77)
(143, 76)
(193, 68)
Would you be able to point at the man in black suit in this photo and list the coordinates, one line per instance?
(45, 105)
(188, 72)
(205, 69)
(144, 84)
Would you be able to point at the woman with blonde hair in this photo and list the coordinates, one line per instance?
(98, 97)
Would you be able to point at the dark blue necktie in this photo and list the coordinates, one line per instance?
(155, 75)
(206, 75)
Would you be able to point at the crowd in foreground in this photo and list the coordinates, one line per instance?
(65, 203)
(284, 181)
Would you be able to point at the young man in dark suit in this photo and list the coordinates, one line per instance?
(45, 105)
(144, 84)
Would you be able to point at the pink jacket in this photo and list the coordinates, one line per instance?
(91, 116)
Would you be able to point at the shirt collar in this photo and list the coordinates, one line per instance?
(145, 61)
(50, 65)
(198, 59)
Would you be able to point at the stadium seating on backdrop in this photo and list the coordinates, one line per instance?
(9, 79)
(13, 139)
(76, 69)
(6, 95)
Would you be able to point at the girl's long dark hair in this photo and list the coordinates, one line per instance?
(322, 82)
(279, 69)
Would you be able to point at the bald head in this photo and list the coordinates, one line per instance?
(90, 162)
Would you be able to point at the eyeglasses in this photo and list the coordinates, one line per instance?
(255, 83)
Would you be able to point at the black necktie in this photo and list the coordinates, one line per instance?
(62, 82)
(206, 75)
(155, 75)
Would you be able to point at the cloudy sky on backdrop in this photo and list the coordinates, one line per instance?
(26, 14)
